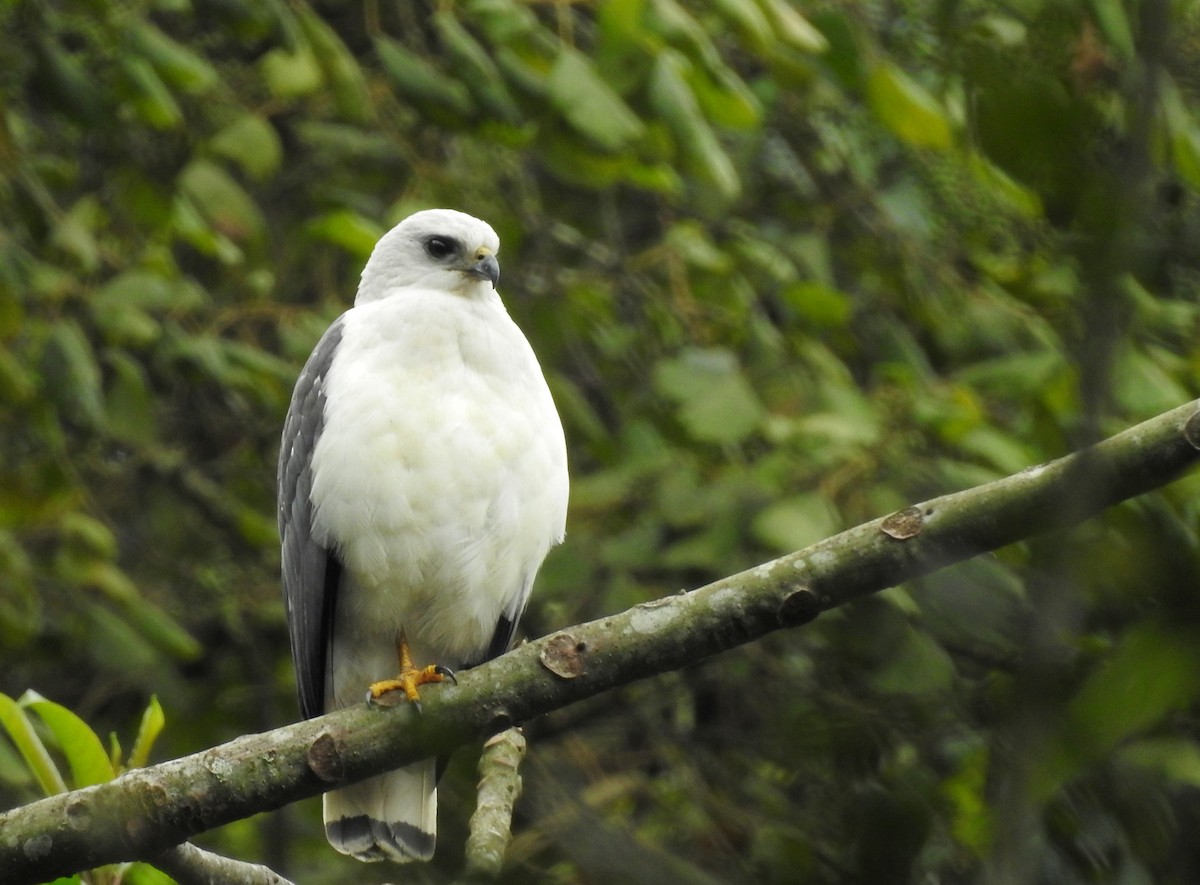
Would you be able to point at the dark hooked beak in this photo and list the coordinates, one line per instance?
(486, 268)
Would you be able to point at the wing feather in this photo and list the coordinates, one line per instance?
(311, 572)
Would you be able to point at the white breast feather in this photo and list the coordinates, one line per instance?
(440, 475)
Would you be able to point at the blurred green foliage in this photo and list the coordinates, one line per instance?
(788, 267)
(82, 752)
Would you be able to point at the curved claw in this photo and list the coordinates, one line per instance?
(408, 680)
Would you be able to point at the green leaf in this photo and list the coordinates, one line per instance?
(354, 233)
(181, 67)
(259, 531)
(291, 74)
(122, 307)
(144, 874)
(130, 402)
(1005, 188)
(341, 70)
(907, 109)
(678, 27)
(1182, 135)
(223, 203)
(153, 721)
(792, 27)
(1114, 24)
(107, 577)
(148, 290)
(126, 325)
(748, 20)
(572, 161)
(88, 536)
(674, 101)
(1185, 152)
(20, 605)
(691, 241)
(528, 72)
(966, 790)
(75, 232)
(163, 631)
(252, 143)
(588, 104)
(979, 605)
(17, 383)
(623, 31)
(1142, 386)
(112, 640)
(29, 745)
(474, 67)
(432, 90)
(1175, 758)
(997, 449)
(821, 305)
(716, 402)
(724, 96)
(263, 375)
(919, 665)
(80, 745)
(190, 224)
(1154, 670)
(14, 773)
(149, 96)
(503, 21)
(67, 83)
(708, 549)
(72, 375)
(794, 523)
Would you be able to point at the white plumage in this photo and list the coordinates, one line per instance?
(422, 481)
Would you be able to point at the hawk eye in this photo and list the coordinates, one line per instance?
(440, 247)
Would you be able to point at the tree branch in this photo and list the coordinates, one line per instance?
(499, 788)
(145, 811)
(189, 865)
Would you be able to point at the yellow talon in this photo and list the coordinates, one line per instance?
(409, 677)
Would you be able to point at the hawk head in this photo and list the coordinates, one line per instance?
(435, 249)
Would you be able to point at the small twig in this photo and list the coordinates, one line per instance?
(499, 789)
(189, 865)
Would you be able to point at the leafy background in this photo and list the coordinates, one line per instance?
(788, 267)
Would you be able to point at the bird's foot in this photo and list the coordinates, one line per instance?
(408, 680)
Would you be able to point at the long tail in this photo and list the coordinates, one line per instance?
(389, 817)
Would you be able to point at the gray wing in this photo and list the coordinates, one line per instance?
(311, 573)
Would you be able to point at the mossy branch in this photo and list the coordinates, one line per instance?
(189, 865)
(146, 811)
(491, 824)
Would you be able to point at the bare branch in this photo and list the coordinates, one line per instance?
(190, 865)
(148, 810)
(499, 789)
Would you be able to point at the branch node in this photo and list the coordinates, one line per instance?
(324, 758)
(564, 656)
(903, 524)
(799, 607)
(501, 721)
(79, 814)
(1191, 430)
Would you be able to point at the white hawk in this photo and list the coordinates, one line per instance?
(422, 480)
